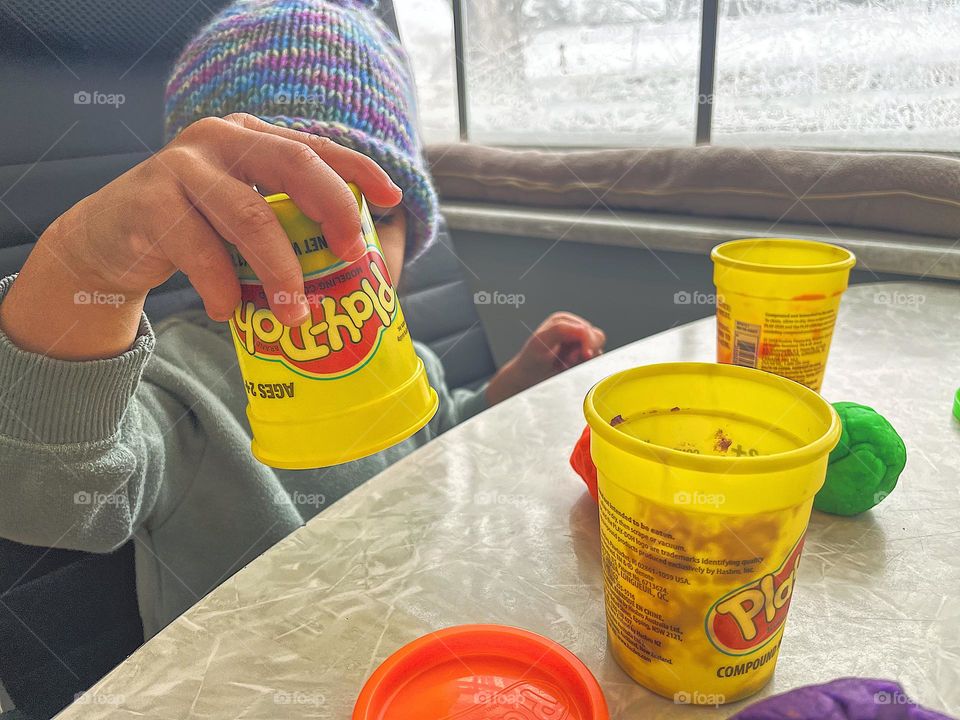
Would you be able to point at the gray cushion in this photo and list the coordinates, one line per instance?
(438, 305)
(894, 192)
(106, 28)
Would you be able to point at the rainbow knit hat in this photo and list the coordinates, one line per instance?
(327, 67)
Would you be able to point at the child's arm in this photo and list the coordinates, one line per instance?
(82, 456)
(562, 341)
(81, 291)
(88, 451)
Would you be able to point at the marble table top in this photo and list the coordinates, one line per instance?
(488, 524)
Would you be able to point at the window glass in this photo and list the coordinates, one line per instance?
(852, 74)
(582, 72)
(426, 27)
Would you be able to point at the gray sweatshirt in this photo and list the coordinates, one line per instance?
(154, 445)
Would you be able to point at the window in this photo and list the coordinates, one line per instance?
(851, 74)
(879, 74)
(588, 72)
(426, 27)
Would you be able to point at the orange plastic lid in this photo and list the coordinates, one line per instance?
(481, 672)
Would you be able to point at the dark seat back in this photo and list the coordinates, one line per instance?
(66, 619)
(438, 305)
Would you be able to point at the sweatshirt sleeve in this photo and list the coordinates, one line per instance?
(455, 405)
(81, 456)
(467, 403)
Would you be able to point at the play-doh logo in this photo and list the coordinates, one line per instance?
(351, 307)
(747, 618)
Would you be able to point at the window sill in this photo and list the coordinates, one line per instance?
(911, 255)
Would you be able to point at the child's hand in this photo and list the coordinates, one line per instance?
(174, 210)
(177, 210)
(562, 341)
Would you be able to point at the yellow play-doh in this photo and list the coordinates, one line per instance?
(706, 478)
(777, 302)
(347, 382)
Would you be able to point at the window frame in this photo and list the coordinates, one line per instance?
(706, 76)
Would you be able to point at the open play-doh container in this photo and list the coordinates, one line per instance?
(706, 478)
(777, 302)
(347, 382)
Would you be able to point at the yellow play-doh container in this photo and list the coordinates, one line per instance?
(347, 382)
(777, 302)
(706, 478)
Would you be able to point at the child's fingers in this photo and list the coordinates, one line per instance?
(598, 334)
(242, 217)
(570, 355)
(263, 158)
(565, 315)
(349, 164)
(199, 252)
(598, 339)
(578, 339)
(567, 318)
(561, 331)
(593, 341)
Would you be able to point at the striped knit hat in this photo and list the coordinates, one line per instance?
(327, 67)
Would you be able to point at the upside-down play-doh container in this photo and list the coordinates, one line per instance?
(481, 672)
(344, 384)
(706, 477)
(777, 302)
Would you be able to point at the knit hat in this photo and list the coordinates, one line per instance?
(327, 67)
